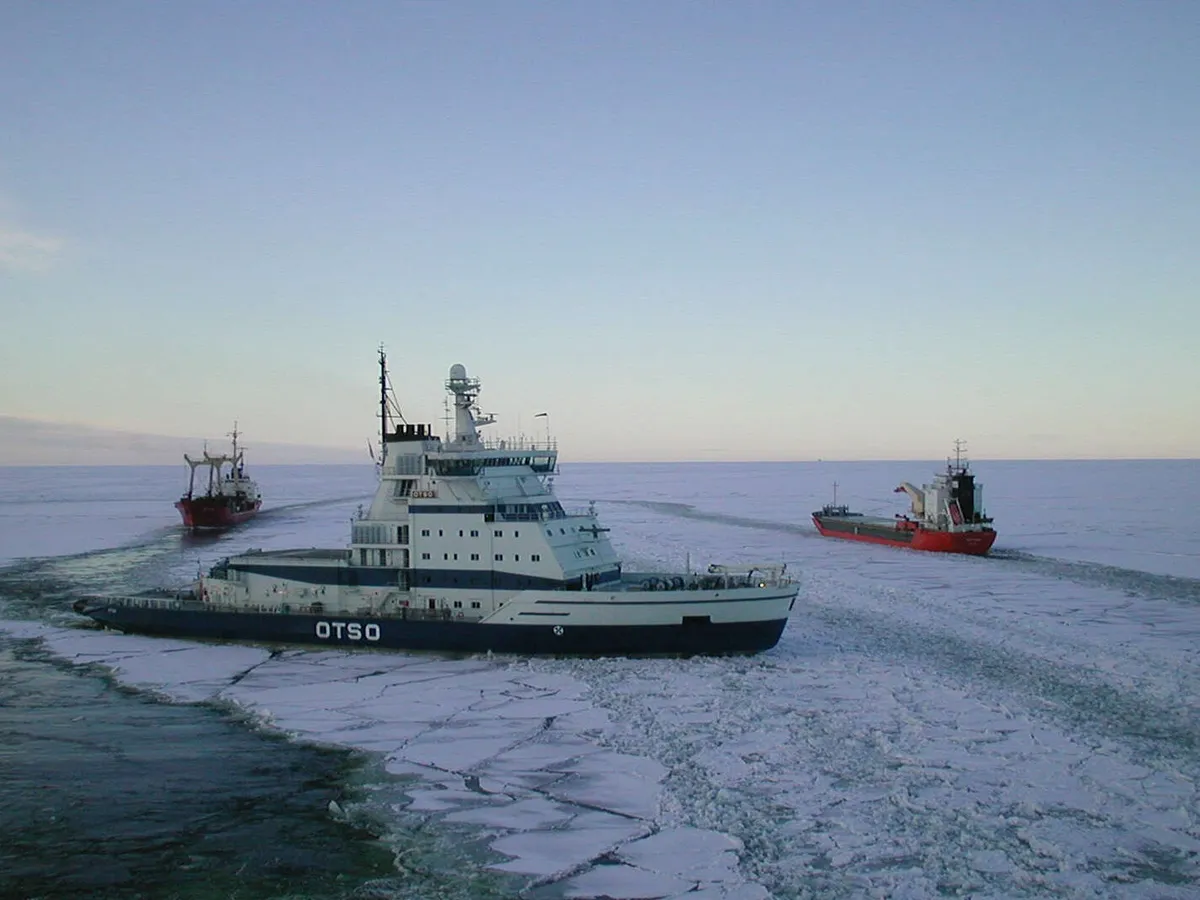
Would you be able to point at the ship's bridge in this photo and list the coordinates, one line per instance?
(450, 461)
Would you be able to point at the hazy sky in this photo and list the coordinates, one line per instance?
(687, 230)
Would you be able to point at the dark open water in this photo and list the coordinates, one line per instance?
(109, 794)
(106, 792)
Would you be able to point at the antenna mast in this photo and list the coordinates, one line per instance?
(959, 446)
(383, 397)
(388, 407)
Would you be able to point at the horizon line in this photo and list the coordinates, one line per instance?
(648, 462)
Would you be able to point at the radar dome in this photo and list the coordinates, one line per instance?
(457, 371)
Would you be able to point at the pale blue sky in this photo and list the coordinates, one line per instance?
(688, 230)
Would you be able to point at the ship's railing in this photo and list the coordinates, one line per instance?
(716, 577)
(189, 601)
(519, 443)
(140, 601)
(535, 516)
(420, 614)
(525, 512)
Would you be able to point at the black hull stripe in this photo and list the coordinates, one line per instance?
(373, 576)
(512, 518)
(683, 639)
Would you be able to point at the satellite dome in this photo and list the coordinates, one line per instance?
(458, 371)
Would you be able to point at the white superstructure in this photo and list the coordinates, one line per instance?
(953, 502)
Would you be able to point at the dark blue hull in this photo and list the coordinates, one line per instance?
(443, 635)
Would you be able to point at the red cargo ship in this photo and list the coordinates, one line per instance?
(230, 498)
(947, 516)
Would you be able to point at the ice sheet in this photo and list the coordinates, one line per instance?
(1020, 726)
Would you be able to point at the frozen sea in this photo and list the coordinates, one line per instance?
(1022, 725)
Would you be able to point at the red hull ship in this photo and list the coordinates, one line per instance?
(947, 516)
(230, 498)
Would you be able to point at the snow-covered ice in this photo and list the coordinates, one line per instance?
(1021, 726)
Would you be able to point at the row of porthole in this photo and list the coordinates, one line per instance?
(499, 532)
(499, 557)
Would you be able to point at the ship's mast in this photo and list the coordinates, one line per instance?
(384, 418)
(466, 416)
(234, 434)
(960, 462)
(388, 407)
